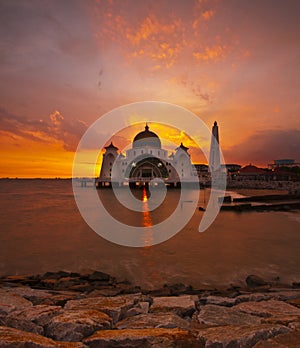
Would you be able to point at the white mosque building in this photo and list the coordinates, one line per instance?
(145, 161)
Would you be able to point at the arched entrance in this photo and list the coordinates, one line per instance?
(147, 169)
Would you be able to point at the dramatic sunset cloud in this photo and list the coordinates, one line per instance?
(66, 63)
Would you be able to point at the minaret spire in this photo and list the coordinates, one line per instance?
(214, 155)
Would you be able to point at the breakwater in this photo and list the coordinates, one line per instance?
(68, 309)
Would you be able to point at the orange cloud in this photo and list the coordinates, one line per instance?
(212, 53)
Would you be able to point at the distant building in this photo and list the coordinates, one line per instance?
(252, 172)
(290, 163)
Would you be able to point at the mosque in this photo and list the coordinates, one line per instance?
(146, 161)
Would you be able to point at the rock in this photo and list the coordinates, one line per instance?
(13, 338)
(75, 325)
(256, 297)
(50, 297)
(115, 307)
(33, 295)
(286, 295)
(268, 308)
(107, 291)
(153, 320)
(96, 275)
(181, 305)
(40, 314)
(219, 315)
(294, 325)
(10, 301)
(238, 336)
(296, 285)
(254, 281)
(146, 338)
(20, 324)
(219, 300)
(140, 308)
(179, 289)
(144, 306)
(284, 320)
(295, 302)
(287, 340)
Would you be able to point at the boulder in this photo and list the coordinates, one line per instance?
(268, 308)
(286, 295)
(40, 314)
(33, 295)
(218, 315)
(100, 276)
(181, 305)
(75, 325)
(13, 338)
(287, 340)
(115, 307)
(254, 281)
(50, 297)
(254, 297)
(146, 338)
(295, 302)
(107, 291)
(10, 301)
(284, 320)
(238, 336)
(219, 300)
(154, 320)
(20, 324)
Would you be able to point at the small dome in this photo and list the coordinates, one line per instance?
(146, 138)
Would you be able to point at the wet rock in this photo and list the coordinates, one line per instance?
(219, 301)
(268, 308)
(165, 291)
(181, 305)
(55, 275)
(115, 307)
(179, 289)
(287, 340)
(219, 315)
(10, 301)
(40, 314)
(238, 336)
(296, 285)
(13, 338)
(146, 338)
(154, 320)
(254, 281)
(75, 325)
(96, 275)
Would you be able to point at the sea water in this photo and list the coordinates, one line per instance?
(42, 230)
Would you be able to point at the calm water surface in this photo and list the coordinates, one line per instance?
(42, 230)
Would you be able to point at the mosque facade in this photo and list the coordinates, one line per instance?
(146, 161)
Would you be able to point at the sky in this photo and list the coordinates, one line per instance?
(64, 64)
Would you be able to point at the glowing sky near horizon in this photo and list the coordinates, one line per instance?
(66, 63)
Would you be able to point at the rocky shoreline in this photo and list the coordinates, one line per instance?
(66, 309)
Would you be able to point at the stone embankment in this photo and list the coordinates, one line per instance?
(65, 309)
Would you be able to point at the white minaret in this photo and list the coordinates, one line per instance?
(214, 155)
(109, 158)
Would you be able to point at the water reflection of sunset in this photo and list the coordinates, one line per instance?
(147, 252)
